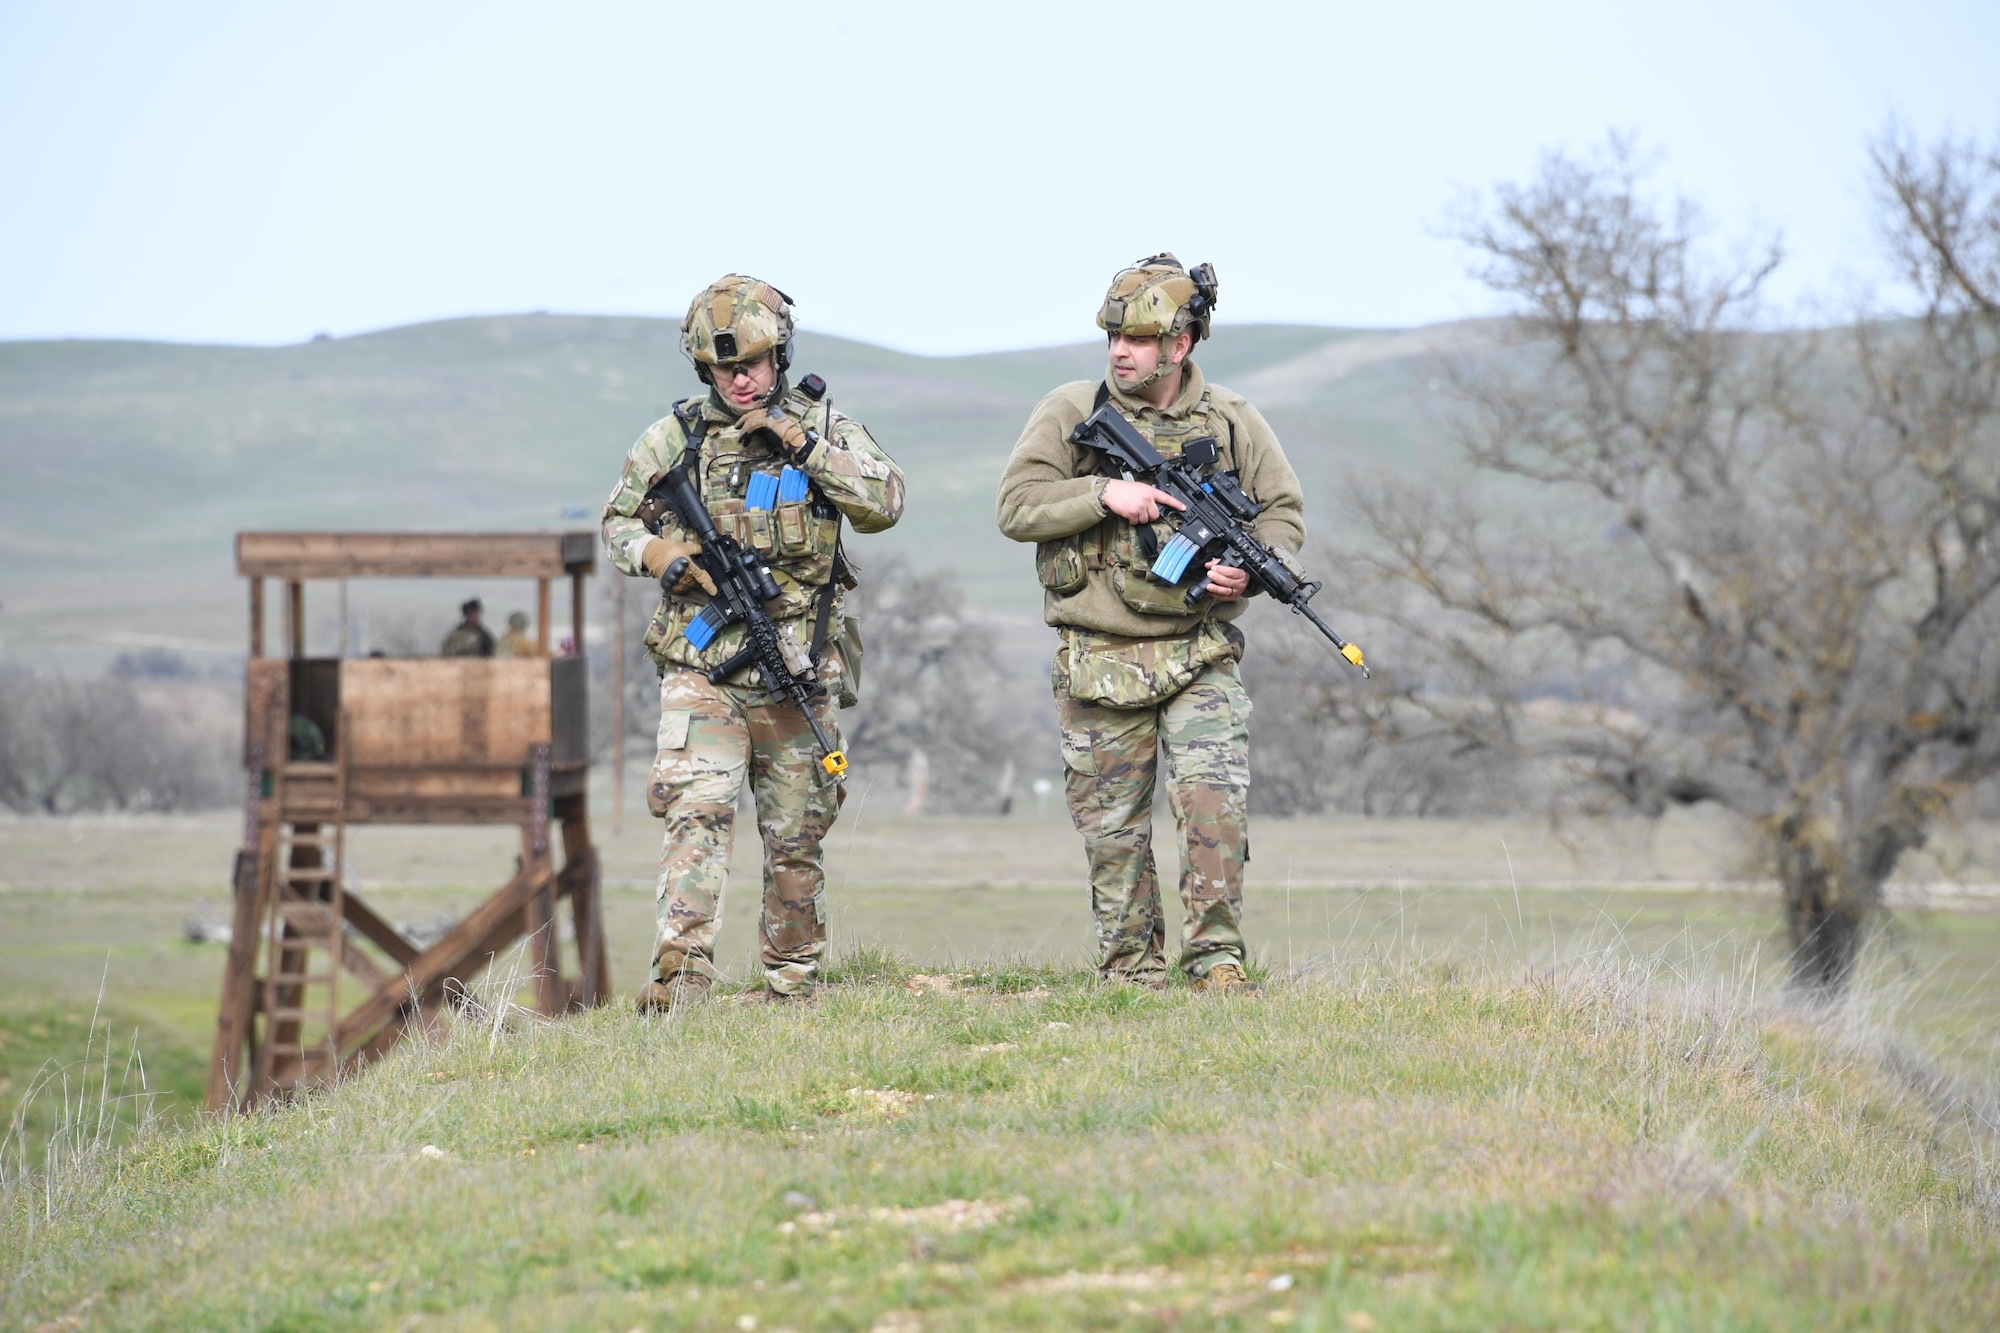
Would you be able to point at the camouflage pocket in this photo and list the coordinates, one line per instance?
(805, 544)
(663, 629)
(750, 528)
(1077, 754)
(674, 723)
(1059, 565)
(793, 536)
(1135, 673)
(1147, 595)
(1129, 573)
(849, 650)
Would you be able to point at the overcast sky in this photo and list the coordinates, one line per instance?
(937, 178)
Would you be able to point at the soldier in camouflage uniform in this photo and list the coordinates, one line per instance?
(1137, 670)
(751, 425)
(515, 642)
(468, 638)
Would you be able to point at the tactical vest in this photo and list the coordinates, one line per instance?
(1126, 550)
(757, 497)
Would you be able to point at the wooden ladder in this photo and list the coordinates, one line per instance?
(305, 925)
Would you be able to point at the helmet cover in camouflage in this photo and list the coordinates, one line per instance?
(1157, 298)
(737, 319)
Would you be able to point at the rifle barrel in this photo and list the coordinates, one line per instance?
(1347, 650)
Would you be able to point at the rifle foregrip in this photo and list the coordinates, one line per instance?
(735, 664)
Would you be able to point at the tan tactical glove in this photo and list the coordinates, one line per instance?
(660, 554)
(788, 430)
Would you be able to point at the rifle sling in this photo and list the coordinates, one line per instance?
(822, 617)
(695, 426)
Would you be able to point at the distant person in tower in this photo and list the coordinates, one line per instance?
(515, 642)
(778, 469)
(468, 638)
(1137, 669)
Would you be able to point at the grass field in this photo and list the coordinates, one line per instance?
(1380, 1143)
(99, 904)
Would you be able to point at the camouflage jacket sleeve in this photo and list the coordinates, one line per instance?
(854, 474)
(1042, 495)
(645, 463)
(1267, 477)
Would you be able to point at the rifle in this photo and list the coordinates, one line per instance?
(1217, 517)
(743, 584)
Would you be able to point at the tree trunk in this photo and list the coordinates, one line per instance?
(1825, 921)
(1826, 940)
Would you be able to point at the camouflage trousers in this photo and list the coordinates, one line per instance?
(1110, 759)
(711, 738)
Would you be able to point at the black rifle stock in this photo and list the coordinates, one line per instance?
(1216, 520)
(743, 584)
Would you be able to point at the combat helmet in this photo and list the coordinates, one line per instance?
(737, 318)
(1157, 298)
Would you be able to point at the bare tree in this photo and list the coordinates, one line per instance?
(69, 745)
(937, 702)
(1692, 561)
(1311, 755)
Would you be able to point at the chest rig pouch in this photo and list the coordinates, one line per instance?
(767, 504)
(763, 502)
(1127, 549)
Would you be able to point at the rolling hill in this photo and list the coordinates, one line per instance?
(130, 465)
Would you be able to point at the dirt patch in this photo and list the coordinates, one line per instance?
(1141, 1279)
(951, 1215)
(888, 1103)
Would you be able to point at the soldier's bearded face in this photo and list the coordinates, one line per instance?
(746, 383)
(1132, 359)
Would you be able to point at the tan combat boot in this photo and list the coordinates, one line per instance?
(802, 999)
(1227, 979)
(685, 988)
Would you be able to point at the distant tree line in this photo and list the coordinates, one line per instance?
(128, 742)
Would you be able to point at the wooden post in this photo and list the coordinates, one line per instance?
(257, 617)
(542, 617)
(584, 880)
(576, 614)
(295, 617)
(551, 997)
(229, 1069)
(617, 590)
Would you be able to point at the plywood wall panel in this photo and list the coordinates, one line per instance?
(430, 712)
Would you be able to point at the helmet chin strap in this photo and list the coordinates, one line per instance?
(1167, 365)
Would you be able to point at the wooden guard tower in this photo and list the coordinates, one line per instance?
(316, 981)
